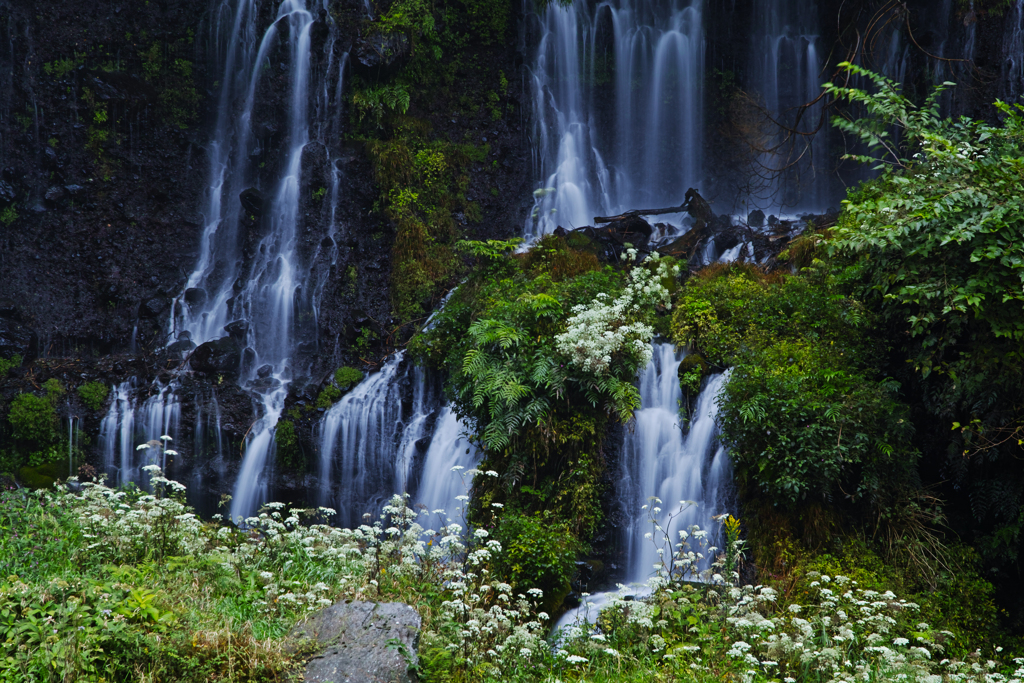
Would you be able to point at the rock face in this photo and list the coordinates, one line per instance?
(220, 356)
(365, 642)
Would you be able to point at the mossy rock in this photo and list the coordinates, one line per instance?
(687, 380)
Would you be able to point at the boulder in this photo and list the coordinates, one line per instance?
(609, 241)
(364, 642)
(755, 218)
(195, 297)
(380, 53)
(218, 357)
(238, 330)
(252, 201)
(154, 307)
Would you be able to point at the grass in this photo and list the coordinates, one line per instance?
(105, 585)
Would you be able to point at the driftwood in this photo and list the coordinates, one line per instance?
(693, 204)
(640, 212)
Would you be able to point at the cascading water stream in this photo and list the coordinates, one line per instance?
(267, 301)
(359, 445)
(449, 448)
(660, 461)
(373, 445)
(617, 109)
(786, 72)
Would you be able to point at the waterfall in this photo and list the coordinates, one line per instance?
(369, 442)
(267, 300)
(618, 93)
(449, 448)
(786, 72)
(374, 444)
(128, 424)
(1013, 54)
(660, 460)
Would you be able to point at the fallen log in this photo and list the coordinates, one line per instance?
(693, 204)
(640, 212)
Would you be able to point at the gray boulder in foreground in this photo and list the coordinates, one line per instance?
(364, 642)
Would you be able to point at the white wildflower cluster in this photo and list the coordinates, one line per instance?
(122, 526)
(605, 327)
(848, 634)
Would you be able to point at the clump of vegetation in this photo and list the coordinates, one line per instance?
(8, 215)
(289, 449)
(347, 377)
(328, 396)
(931, 247)
(8, 364)
(33, 419)
(93, 395)
(806, 412)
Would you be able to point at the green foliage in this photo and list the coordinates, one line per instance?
(538, 551)
(54, 390)
(289, 450)
(377, 104)
(422, 183)
(328, 396)
(152, 61)
(407, 16)
(933, 246)
(93, 395)
(805, 411)
(347, 377)
(938, 239)
(33, 420)
(8, 215)
(8, 364)
(59, 68)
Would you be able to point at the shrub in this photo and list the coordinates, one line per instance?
(33, 420)
(93, 395)
(805, 412)
(537, 551)
(328, 395)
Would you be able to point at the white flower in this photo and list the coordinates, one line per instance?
(612, 651)
(165, 437)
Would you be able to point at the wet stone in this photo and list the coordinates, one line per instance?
(364, 642)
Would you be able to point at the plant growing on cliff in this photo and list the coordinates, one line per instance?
(33, 420)
(93, 395)
(805, 411)
(8, 364)
(8, 215)
(375, 104)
